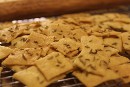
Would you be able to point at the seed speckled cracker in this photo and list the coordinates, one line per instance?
(92, 42)
(32, 77)
(19, 42)
(54, 65)
(66, 45)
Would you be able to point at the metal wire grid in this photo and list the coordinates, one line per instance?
(6, 79)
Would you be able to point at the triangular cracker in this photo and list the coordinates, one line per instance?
(4, 51)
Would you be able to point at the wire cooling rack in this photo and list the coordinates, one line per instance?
(6, 79)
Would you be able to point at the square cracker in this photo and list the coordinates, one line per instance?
(91, 62)
(59, 29)
(66, 45)
(92, 80)
(26, 56)
(83, 60)
(56, 63)
(32, 77)
(92, 42)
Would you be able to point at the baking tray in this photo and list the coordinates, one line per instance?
(6, 79)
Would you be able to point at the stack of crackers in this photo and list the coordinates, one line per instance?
(93, 48)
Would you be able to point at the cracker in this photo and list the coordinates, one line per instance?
(70, 21)
(89, 59)
(37, 27)
(26, 56)
(97, 28)
(108, 51)
(126, 40)
(44, 51)
(102, 30)
(118, 26)
(8, 34)
(59, 29)
(92, 80)
(56, 63)
(66, 45)
(77, 34)
(113, 42)
(117, 60)
(91, 62)
(32, 77)
(4, 51)
(93, 43)
(124, 71)
(38, 40)
(30, 27)
(19, 42)
(84, 61)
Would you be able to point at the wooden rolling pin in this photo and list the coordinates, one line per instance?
(19, 9)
